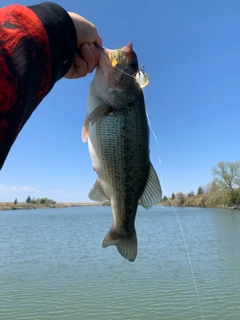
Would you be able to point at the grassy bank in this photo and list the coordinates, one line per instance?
(220, 199)
(24, 205)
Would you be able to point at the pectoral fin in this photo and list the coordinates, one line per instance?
(85, 130)
(97, 193)
(152, 193)
(99, 112)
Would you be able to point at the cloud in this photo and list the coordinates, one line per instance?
(55, 190)
(6, 189)
(10, 192)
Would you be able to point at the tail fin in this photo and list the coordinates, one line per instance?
(126, 245)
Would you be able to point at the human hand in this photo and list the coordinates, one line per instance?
(87, 56)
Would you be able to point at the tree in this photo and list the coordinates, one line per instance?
(227, 175)
(15, 201)
(200, 191)
(165, 198)
(211, 187)
(191, 194)
(28, 200)
(214, 187)
(43, 200)
(173, 196)
(181, 197)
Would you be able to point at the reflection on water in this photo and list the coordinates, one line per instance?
(52, 265)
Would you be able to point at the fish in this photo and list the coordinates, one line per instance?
(116, 129)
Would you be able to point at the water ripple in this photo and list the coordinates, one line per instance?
(52, 266)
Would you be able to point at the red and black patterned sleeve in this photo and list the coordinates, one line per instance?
(37, 45)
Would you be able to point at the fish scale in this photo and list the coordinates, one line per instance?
(125, 171)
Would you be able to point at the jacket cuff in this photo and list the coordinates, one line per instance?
(62, 37)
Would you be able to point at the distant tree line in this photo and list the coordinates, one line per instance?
(225, 187)
(40, 200)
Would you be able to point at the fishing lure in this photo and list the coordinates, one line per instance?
(142, 77)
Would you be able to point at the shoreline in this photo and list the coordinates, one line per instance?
(23, 205)
(33, 206)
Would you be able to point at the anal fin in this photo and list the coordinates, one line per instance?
(152, 193)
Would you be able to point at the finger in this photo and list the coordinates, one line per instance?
(79, 68)
(98, 40)
(91, 56)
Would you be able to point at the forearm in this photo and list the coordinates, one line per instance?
(37, 45)
(61, 35)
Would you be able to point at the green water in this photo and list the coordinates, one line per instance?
(52, 265)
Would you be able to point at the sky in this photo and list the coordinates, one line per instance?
(191, 51)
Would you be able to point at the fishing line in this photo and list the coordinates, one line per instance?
(179, 224)
(140, 76)
(132, 76)
(141, 72)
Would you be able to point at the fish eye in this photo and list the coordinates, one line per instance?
(134, 64)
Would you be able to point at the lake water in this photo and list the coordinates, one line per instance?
(52, 265)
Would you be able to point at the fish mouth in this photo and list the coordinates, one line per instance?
(123, 59)
(104, 62)
(127, 49)
(118, 56)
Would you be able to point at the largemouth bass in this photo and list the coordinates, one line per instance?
(117, 132)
